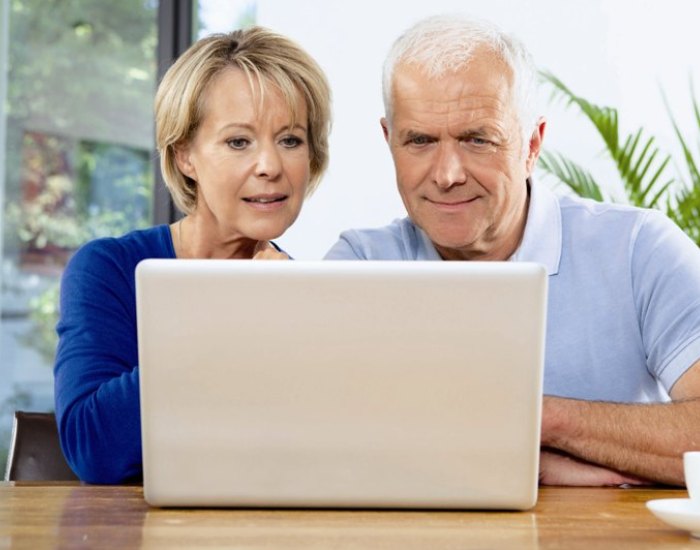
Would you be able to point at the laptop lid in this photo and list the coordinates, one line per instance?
(341, 384)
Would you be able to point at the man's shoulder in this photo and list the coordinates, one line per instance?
(400, 240)
(607, 218)
(572, 204)
(613, 227)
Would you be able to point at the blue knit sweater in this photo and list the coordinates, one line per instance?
(96, 374)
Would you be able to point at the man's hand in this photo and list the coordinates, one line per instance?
(557, 468)
(265, 251)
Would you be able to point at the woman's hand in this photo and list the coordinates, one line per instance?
(265, 251)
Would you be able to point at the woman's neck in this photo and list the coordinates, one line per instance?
(194, 237)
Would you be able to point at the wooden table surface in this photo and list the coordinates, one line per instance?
(80, 516)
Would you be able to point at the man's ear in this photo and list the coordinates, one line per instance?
(535, 146)
(184, 161)
(385, 128)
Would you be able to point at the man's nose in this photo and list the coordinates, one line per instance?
(268, 163)
(449, 167)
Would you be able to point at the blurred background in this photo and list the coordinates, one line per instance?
(77, 158)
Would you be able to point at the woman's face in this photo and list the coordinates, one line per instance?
(251, 166)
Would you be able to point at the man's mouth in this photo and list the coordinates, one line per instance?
(453, 203)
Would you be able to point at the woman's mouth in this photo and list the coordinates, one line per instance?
(265, 199)
(267, 202)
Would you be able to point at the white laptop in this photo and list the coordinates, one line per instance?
(341, 384)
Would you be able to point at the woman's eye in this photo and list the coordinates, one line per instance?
(237, 143)
(291, 142)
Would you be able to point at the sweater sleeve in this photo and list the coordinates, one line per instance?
(96, 377)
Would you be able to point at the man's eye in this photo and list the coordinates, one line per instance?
(478, 141)
(419, 140)
(291, 142)
(237, 143)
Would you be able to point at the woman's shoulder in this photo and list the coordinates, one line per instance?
(123, 252)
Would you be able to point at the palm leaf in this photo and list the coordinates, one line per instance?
(696, 111)
(687, 153)
(639, 162)
(604, 119)
(574, 176)
(684, 209)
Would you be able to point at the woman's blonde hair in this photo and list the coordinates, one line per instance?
(266, 58)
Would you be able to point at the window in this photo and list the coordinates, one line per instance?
(77, 154)
(76, 151)
(223, 16)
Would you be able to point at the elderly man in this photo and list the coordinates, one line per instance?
(622, 369)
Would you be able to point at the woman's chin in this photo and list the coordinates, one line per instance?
(267, 230)
(266, 234)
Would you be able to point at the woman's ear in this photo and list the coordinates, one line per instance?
(183, 159)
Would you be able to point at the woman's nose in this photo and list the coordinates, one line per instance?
(269, 162)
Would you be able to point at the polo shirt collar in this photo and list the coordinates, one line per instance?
(426, 248)
(542, 238)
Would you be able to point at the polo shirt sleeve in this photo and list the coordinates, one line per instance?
(348, 247)
(399, 240)
(665, 270)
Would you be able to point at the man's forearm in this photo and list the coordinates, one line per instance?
(642, 440)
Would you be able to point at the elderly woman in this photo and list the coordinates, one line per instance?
(242, 125)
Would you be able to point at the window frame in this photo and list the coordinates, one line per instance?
(175, 32)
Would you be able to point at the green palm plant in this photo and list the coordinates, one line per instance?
(641, 165)
(686, 210)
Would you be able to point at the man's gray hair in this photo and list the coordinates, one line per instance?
(443, 44)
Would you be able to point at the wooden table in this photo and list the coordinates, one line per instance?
(80, 516)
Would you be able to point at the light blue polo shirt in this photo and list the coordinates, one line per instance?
(624, 292)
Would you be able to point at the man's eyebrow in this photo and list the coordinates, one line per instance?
(410, 134)
(482, 132)
(476, 132)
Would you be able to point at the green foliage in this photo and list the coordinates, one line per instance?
(81, 80)
(686, 210)
(44, 315)
(79, 121)
(65, 213)
(642, 166)
(570, 173)
(83, 67)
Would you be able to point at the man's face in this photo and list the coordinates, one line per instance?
(461, 167)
